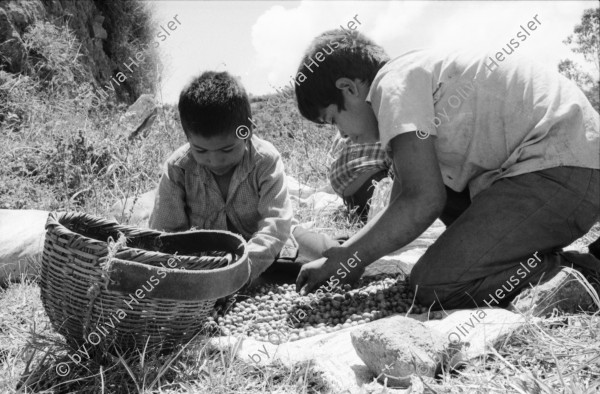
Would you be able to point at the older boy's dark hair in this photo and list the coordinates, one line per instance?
(214, 103)
(346, 54)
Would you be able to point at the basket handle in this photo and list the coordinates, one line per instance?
(177, 284)
(193, 285)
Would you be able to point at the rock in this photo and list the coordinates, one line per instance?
(22, 235)
(140, 116)
(568, 291)
(97, 28)
(399, 347)
(135, 212)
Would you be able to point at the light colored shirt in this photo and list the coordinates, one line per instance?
(257, 204)
(350, 160)
(491, 119)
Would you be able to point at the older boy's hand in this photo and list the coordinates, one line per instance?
(312, 274)
(331, 270)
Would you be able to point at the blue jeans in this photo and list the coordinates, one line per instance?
(511, 235)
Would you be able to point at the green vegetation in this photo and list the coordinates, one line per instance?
(586, 42)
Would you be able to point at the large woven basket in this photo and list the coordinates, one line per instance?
(154, 292)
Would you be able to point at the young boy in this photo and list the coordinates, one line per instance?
(224, 178)
(505, 152)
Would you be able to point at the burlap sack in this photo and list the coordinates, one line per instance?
(21, 242)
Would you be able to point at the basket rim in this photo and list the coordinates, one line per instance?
(54, 217)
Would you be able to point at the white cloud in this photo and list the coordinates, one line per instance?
(281, 35)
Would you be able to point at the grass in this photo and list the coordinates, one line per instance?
(62, 154)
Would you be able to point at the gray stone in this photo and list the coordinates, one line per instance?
(97, 28)
(568, 291)
(399, 347)
(139, 116)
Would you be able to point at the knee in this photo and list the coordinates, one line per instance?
(421, 282)
(421, 274)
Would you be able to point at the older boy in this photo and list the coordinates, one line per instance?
(220, 180)
(507, 155)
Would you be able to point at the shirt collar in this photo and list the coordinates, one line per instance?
(246, 165)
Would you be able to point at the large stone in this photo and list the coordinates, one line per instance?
(22, 235)
(399, 347)
(139, 116)
(568, 291)
(97, 28)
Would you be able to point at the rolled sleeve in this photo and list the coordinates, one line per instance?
(275, 210)
(169, 213)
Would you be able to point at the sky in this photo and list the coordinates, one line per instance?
(262, 42)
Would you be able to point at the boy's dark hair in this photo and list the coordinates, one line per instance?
(214, 103)
(351, 55)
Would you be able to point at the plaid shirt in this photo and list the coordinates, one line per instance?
(350, 160)
(257, 203)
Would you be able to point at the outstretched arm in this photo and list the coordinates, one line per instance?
(418, 197)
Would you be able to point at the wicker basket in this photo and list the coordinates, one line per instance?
(156, 291)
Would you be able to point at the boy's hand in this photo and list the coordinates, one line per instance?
(326, 269)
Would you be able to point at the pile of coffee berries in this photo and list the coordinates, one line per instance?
(276, 313)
